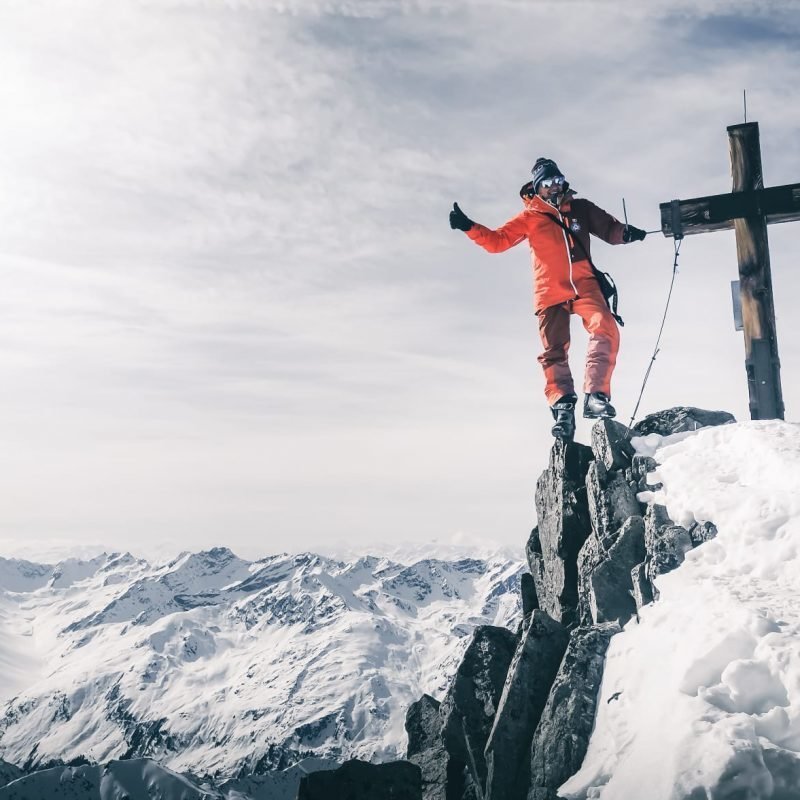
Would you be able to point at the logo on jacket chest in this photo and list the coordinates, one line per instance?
(575, 226)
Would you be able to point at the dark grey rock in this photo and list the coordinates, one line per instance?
(530, 601)
(611, 444)
(562, 736)
(469, 707)
(609, 582)
(641, 466)
(564, 524)
(360, 780)
(423, 725)
(642, 589)
(425, 746)
(702, 532)
(527, 687)
(679, 420)
(666, 544)
(611, 501)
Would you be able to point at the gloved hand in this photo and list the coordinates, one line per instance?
(631, 234)
(458, 219)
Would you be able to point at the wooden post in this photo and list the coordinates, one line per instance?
(755, 280)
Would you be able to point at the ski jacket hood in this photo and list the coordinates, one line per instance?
(560, 269)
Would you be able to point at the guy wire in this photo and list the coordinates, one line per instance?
(656, 350)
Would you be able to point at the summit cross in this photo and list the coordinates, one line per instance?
(748, 209)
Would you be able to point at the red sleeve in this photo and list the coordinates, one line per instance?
(512, 233)
(603, 225)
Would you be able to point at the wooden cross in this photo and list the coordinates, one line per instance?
(748, 209)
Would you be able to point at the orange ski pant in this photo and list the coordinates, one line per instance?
(601, 354)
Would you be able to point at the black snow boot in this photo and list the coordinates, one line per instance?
(563, 413)
(597, 405)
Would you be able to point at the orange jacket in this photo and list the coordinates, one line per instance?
(560, 269)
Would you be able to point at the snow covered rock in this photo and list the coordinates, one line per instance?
(562, 736)
(19, 575)
(666, 543)
(527, 687)
(360, 780)
(641, 466)
(223, 667)
(563, 525)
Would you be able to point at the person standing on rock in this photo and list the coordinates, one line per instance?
(557, 225)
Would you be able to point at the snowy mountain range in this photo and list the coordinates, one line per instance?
(220, 667)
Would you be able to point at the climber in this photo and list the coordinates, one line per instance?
(557, 226)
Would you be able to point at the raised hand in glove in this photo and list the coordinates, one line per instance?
(458, 219)
(631, 234)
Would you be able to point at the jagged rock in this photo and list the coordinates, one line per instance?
(665, 542)
(605, 576)
(564, 524)
(640, 467)
(530, 601)
(562, 736)
(700, 532)
(611, 444)
(680, 419)
(527, 687)
(469, 707)
(642, 590)
(423, 725)
(425, 747)
(360, 780)
(611, 501)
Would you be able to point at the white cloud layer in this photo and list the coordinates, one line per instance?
(233, 311)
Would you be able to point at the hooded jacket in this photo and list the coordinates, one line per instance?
(560, 269)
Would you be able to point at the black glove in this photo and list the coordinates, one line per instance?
(458, 219)
(631, 234)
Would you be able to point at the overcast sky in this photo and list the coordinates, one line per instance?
(232, 309)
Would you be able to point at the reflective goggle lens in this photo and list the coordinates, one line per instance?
(558, 180)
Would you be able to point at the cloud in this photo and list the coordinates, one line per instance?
(232, 303)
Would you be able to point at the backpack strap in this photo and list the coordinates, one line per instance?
(607, 285)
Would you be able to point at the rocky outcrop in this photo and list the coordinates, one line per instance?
(425, 746)
(468, 710)
(563, 527)
(360, 780)
(530, 601)
(605, 573)
(527, 687)
(595, 557)
(679, 420)
(562, 735)
(611, 444)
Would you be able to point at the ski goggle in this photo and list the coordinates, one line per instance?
(558, 180)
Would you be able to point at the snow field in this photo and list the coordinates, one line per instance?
(296, 650)
(709, 678)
